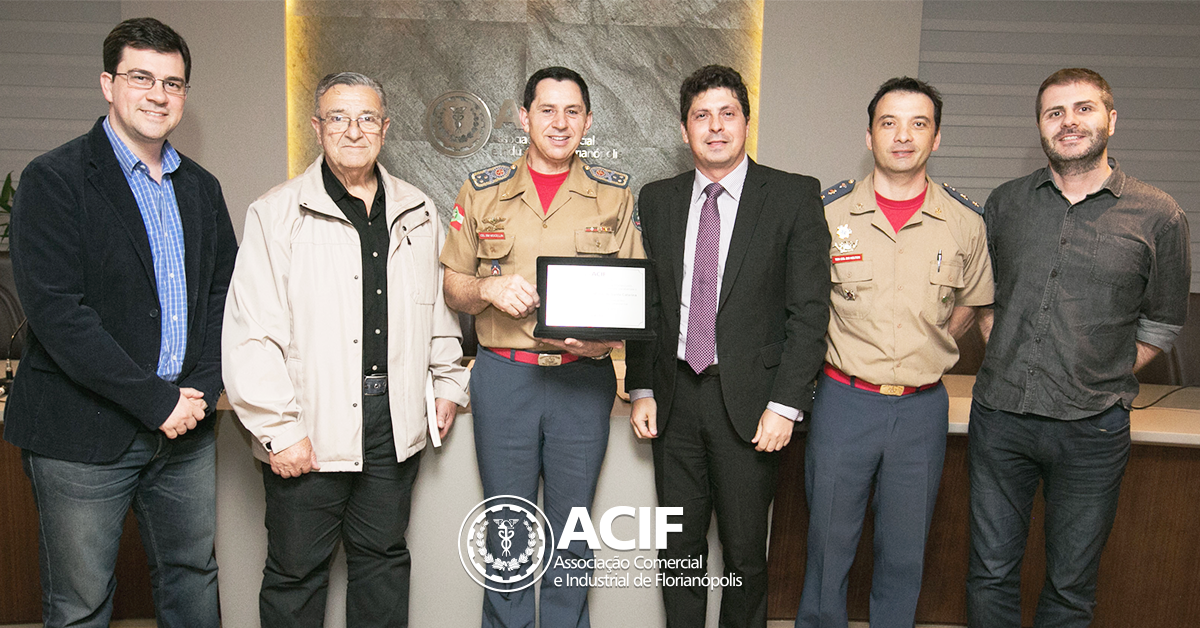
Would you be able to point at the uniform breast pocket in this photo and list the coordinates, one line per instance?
(1120, 262)
(493, 251)
(595, 242)
(853, 288)
(944, 279)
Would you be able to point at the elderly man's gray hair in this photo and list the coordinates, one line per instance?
(347, 78)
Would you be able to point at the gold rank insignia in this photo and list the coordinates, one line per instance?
(845, 245)
(607, 175)
(962, 198)
(834, 193)
(492, 175)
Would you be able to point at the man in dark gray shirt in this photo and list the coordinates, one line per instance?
(1092, 273)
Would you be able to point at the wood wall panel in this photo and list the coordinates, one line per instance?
(1147, 573)
(22, 598)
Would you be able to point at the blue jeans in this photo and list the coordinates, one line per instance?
(171, 485)
(1080, 464)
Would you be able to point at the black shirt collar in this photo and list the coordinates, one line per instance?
(337, 191)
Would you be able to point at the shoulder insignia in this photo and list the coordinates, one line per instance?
(607, 175)
(837, 191)
(962, 198)
(492, 175)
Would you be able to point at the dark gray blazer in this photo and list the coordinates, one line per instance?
(774, 304)
(85, 277)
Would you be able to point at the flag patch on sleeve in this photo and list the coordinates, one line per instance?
(457, 220)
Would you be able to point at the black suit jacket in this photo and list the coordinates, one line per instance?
(85, 277)
(774, 304)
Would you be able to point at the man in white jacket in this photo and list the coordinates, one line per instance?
(334, 321)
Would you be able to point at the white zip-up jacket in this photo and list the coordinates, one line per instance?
(292, 346)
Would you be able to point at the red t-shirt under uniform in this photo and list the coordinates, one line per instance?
(897, 212)
(547, 186)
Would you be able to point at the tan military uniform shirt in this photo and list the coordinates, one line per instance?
(893, 293)
(502, 229)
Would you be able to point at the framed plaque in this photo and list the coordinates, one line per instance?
(593, 298)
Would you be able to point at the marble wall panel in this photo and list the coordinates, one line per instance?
(743, 15)
(475, 10)
(633, 54)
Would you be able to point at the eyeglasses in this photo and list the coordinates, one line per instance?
(141, 80)
(338, 123)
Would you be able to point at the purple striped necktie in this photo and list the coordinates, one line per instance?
(701, 348)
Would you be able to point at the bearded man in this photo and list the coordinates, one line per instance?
(1092, 274)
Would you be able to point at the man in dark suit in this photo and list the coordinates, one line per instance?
(122, 251)
(740, 307)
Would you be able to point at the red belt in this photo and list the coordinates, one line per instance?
(540, 359)
(894, 390)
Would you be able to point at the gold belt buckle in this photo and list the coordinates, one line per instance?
(549, 359)
(893, 390)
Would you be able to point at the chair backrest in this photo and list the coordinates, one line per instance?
(470, 342)
(11, 314)
(970, 352)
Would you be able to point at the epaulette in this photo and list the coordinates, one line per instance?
(607, 175)
(492, 175)
(837, 191)
(962, 198)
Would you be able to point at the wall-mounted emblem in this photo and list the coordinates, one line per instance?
(458, 123)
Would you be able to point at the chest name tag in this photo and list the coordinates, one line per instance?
(838, 259)
(491, 235)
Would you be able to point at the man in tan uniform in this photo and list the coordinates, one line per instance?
(909, 267)
(541, 407)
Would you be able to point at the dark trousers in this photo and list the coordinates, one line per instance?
(1080, 464)
(367, 510)
(701, 464)
(547, 423)
(859, 439)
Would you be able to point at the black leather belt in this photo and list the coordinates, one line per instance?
(375, 385)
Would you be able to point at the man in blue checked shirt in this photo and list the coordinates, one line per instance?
(122, 251)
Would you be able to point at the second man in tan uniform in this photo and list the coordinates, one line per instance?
(909, 266)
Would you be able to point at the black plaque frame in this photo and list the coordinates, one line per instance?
(542, 330)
